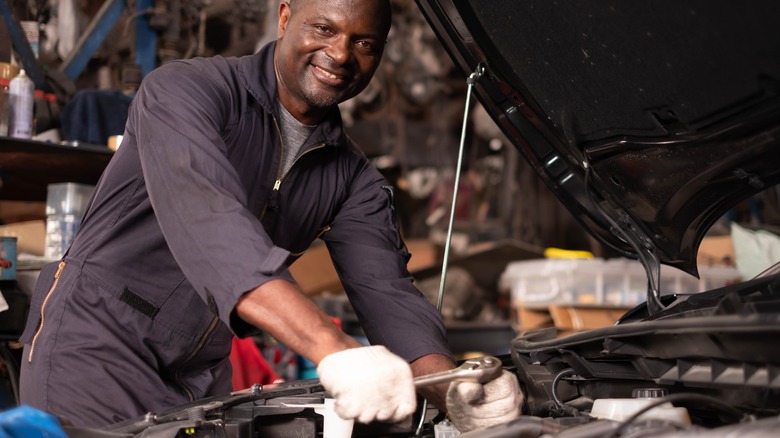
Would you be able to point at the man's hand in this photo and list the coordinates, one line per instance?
(369, 383)
(473, 406)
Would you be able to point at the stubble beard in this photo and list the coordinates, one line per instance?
(317, 100)
(316, 94)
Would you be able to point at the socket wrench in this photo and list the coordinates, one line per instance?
(479, 370)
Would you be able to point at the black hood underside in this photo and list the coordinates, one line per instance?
(649, 120)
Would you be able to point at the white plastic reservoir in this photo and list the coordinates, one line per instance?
(620, 409)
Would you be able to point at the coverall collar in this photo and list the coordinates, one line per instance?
(257, 75)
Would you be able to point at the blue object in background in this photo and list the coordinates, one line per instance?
(92, 116)
(307, 369)
(27, 422)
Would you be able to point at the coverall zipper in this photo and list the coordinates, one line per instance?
(274, 199)
(279, 176)
(188, 359)
(319, 146)
(43, 308)
(278, 181)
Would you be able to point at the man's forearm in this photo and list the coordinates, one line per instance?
(280, 309)
(434, 363)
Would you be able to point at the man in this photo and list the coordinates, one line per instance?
(229, 169)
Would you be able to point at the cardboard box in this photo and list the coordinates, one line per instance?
(532, 318)
(716, 251)
(567, 318)
(30, 236)
(578, 318)
(315, 273)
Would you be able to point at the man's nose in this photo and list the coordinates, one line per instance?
(340, 49)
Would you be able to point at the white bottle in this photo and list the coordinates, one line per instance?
(21, 92)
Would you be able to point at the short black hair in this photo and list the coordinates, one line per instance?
(293, 3)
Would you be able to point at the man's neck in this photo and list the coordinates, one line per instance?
(300, 110)
(307, 116)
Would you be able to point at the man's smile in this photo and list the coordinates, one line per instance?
(329, 77)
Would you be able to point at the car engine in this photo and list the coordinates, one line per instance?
(700, 367)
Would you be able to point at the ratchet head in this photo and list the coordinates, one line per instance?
(479, 370)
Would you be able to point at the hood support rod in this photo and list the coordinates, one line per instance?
(470, 81)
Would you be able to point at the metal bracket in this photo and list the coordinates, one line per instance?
(476, 75)
(91, 39)
(99, 28)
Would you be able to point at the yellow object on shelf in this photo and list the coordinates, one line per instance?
(558, 253)
(8, 71)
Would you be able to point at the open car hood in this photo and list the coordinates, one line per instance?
(648, 120)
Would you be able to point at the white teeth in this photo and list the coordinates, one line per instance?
(329, 74)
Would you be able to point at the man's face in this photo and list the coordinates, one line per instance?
(327, 52)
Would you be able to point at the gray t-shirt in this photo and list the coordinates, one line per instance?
(294, 134)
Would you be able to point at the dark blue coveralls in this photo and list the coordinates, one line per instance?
(190, 214)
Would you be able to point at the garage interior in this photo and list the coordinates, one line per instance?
(514, 258)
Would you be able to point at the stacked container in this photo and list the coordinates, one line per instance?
(617, 282)
(66, 203)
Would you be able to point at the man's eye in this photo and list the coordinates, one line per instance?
(367, 46)
(325, 30)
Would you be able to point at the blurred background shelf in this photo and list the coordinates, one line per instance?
(27, 167)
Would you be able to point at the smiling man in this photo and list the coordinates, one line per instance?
(319, 61)
(229, 169)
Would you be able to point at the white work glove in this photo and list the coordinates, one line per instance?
(473, 406)
(369, 383)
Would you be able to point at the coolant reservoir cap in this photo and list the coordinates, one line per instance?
(649, 392)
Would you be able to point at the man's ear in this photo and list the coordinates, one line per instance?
(284, 18)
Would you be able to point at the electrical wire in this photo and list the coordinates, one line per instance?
(554, 386)
(676, 398)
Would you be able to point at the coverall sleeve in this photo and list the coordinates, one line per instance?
(178, 118)
(370, 257)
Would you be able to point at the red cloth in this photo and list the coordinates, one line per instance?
(249, 366)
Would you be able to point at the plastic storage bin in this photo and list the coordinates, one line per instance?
(66, 203)
(613, 282)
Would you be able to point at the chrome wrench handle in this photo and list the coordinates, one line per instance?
(479, 370)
